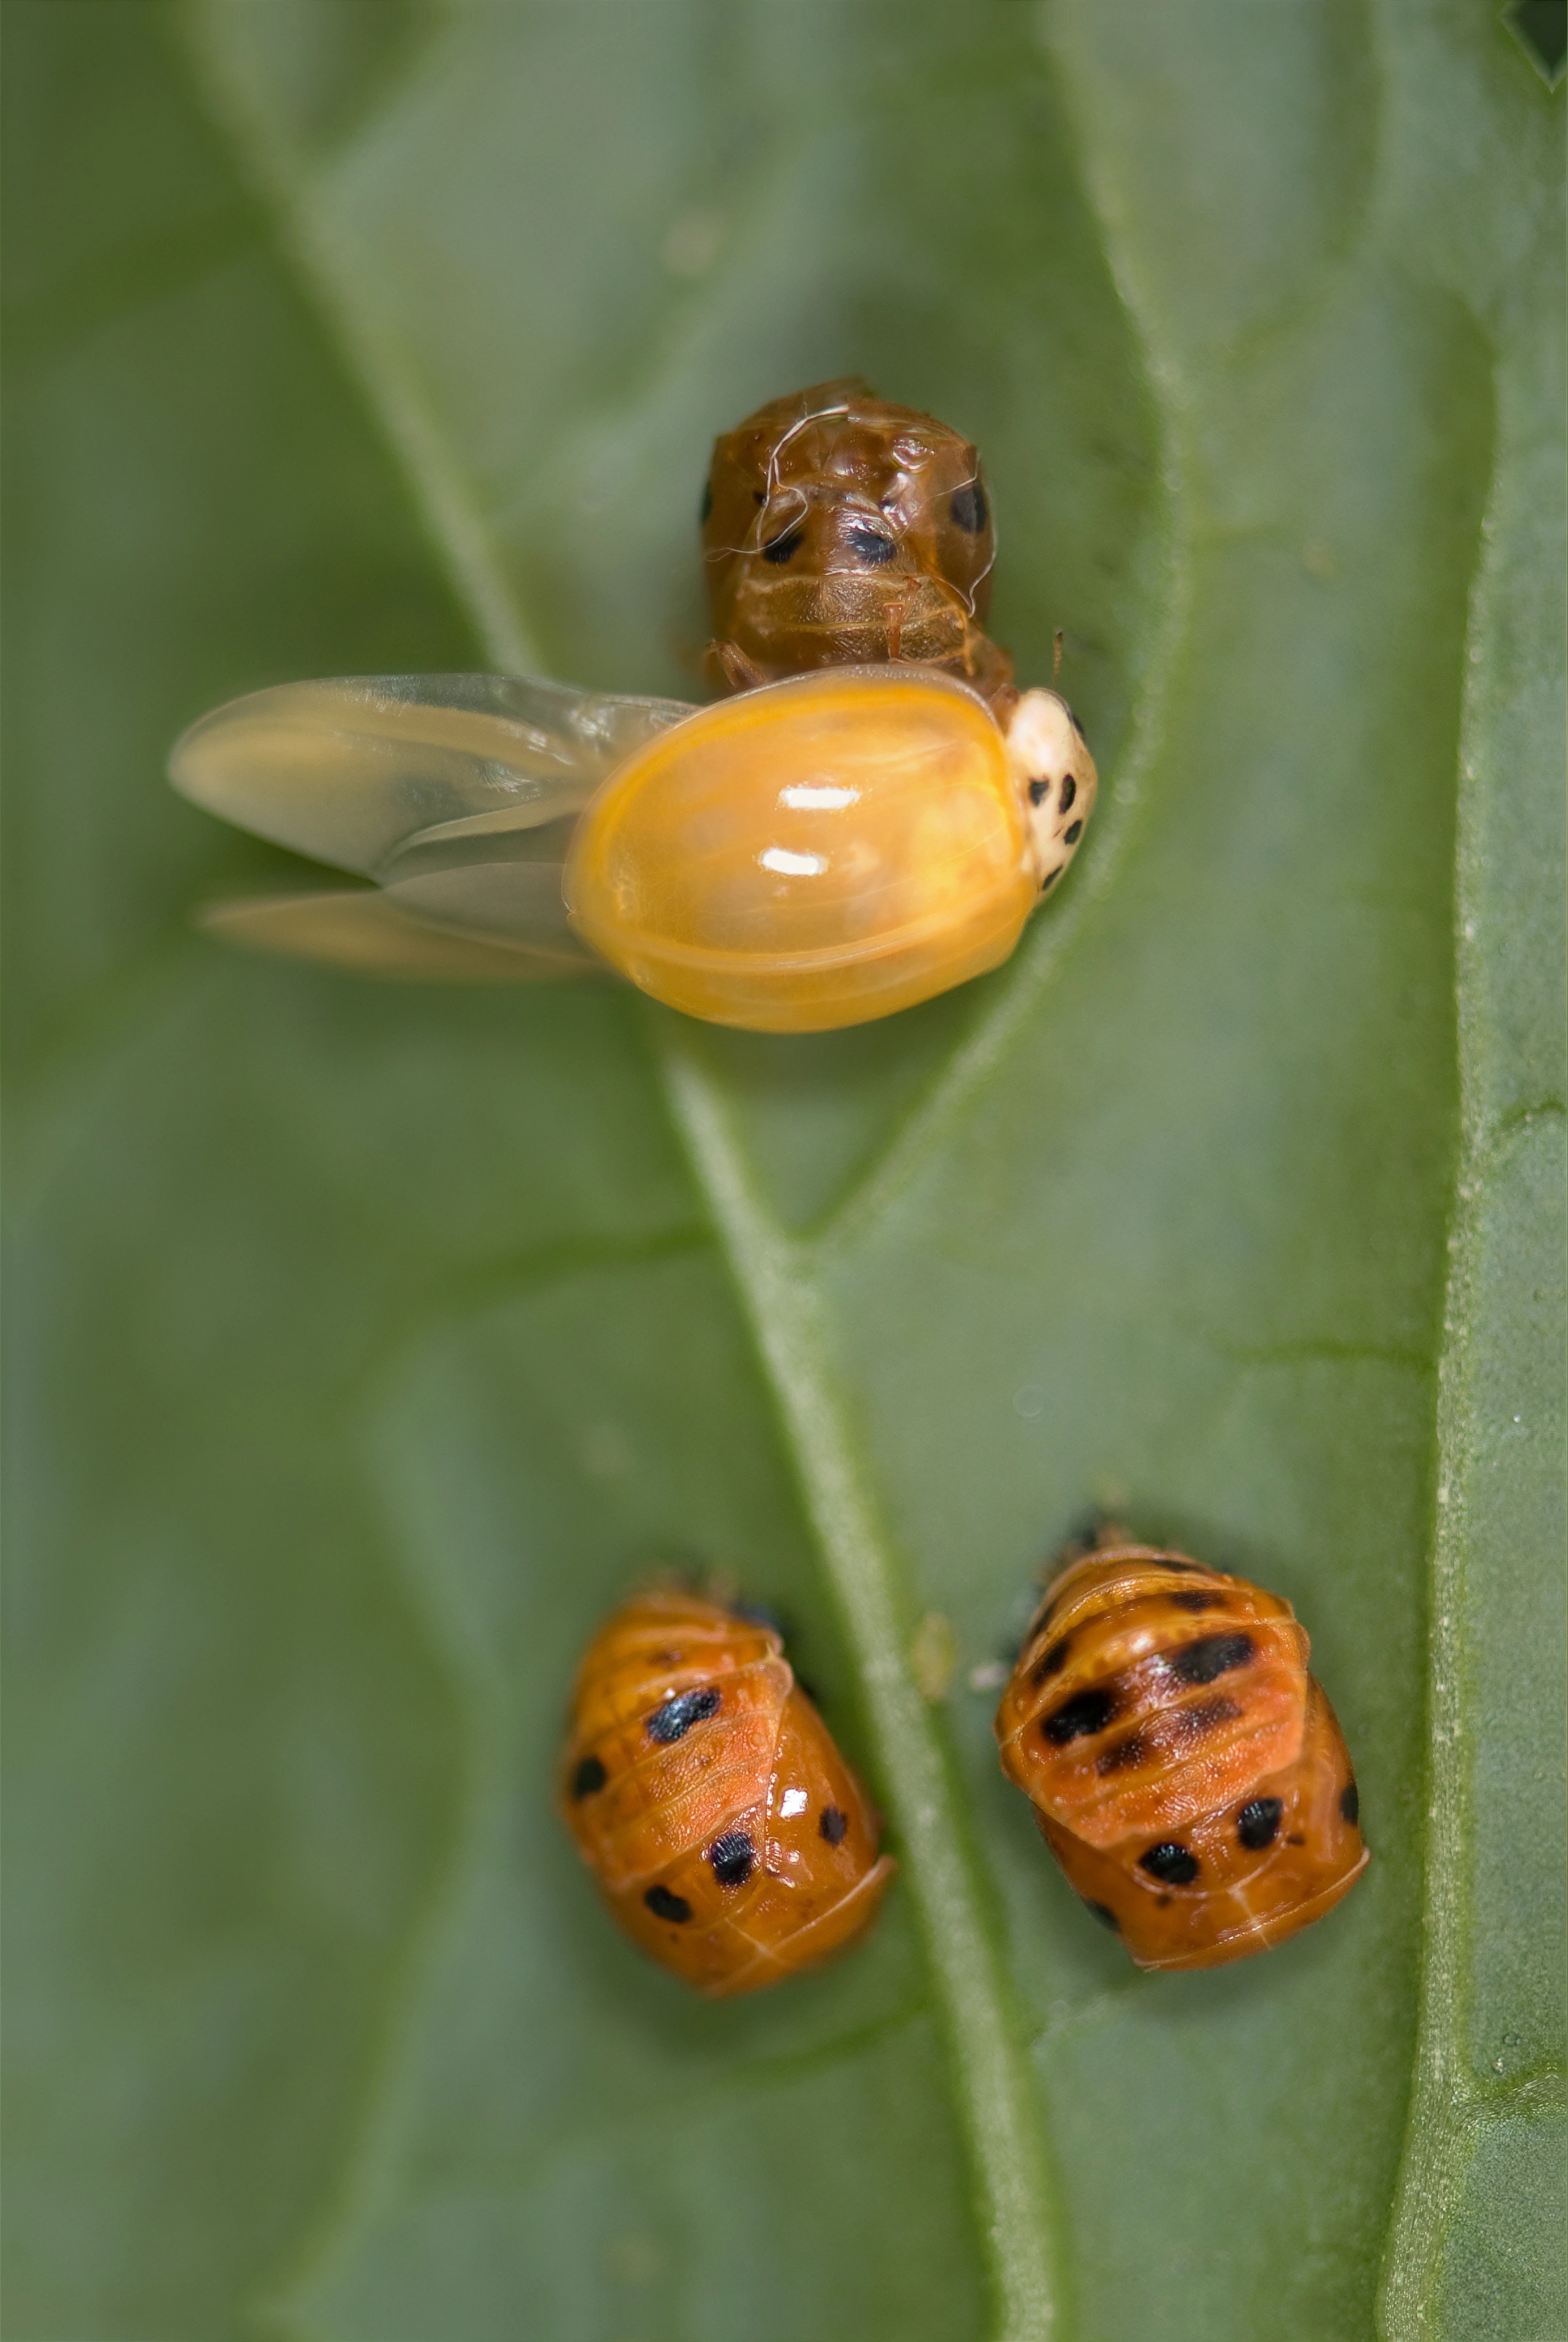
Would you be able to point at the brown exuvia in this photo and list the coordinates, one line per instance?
(840, 530)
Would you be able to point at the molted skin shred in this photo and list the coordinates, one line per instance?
(728, 1836)
(840, 530)
(1185, 1769)
(812, 854)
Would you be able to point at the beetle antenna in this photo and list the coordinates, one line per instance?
(1056, 658)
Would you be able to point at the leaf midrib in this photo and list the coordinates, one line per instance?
(773, 1275)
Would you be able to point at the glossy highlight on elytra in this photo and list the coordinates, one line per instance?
(868, 817)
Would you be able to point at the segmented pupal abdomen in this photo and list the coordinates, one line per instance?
(728, 1836)
(839, 529)
(1185, 1767)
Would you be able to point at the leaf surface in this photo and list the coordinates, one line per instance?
(376, 1340)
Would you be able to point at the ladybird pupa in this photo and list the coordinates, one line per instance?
(1185, 1767)
(728, 1835)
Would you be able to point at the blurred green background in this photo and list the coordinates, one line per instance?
(368, 1343)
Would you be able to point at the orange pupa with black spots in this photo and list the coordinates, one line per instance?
(1185, 1768)
(728, 1835)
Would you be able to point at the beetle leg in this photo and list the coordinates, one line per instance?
(729, 666)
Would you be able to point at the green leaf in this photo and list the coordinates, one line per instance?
(372, 1341)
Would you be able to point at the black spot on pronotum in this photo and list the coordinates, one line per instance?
(1189, 1598)
(871, 544)
(732, 1857)
(1122, 1754)
(1040, 790)
(1086, 1712)
(1073, 833)
(666, 1906)
(589, 1776)
(1069, 791)
(677, 1716)
(1170, 1863)
(1257, 1823)
(969, 509)
(1213, 1654)
(833, 1825)
(1052, 874)
(707, 505)
(784, 546)
(1350, 1802)
(1105, 1916)
(1054, 1660)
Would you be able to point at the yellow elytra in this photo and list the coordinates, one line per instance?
(813, 854)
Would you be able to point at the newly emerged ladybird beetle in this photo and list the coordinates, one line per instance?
(727, 1835)
(867, 820)
(1185, 1768)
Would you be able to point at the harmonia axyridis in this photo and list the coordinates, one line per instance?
(1185, 1768)
(868, 821)
(729, 1837)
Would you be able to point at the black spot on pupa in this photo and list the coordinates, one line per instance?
(677, 1716)
(1170, 1863)
(1189, 1598)
(1213, 1654)
(707, 505)
(1122, 1754)
(969, 509)
(1040, 790)
(589, 1776)
(1258, 1824)
(1086, 1712)
(1105, 1916)
(732, 1857)
(1042, 1618)
(1350, 1802)
(833, 1825)
(1203, 1715)
(1073, 833)
(870, 545)
(1069, 791)
(666, 1906)
(784, 546)
(1054, 1660)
